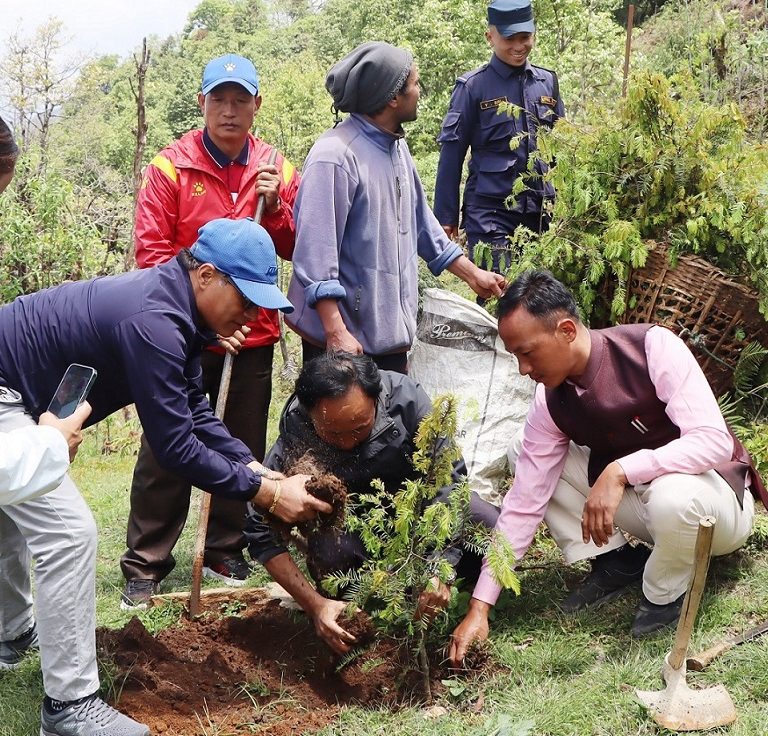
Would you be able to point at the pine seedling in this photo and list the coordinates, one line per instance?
(406, 535)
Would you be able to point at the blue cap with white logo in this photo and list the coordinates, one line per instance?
(511, 17)
(243, 250)
(230, 68)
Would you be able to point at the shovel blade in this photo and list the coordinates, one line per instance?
(679, 708)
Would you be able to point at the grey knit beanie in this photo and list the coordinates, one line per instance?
(369, 77)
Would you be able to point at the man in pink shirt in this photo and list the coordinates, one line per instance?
(624, 433)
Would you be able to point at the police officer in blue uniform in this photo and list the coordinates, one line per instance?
(473, 121)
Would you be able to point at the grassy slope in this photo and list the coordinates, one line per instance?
(568, 676)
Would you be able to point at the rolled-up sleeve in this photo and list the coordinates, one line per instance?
(331, 289)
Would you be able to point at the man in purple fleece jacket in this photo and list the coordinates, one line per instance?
(362, 218)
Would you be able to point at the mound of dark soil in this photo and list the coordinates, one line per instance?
(264, 671)
(323, 485)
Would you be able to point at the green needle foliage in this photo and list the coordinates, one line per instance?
(406, 535)
(661, 166)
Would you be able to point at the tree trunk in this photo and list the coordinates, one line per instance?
(142, 65)
(426, 687)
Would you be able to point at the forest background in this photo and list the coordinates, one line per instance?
(69, 213)
(679, 159)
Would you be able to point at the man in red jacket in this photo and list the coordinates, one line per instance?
(219, 171)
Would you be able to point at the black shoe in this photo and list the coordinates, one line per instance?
(233, 571)
(13, 651)
(650, 617)
(137, 594)
(611, 574)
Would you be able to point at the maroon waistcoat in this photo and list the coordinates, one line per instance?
(619, 413)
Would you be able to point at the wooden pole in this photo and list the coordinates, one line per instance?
(221, 405)
(142, 65)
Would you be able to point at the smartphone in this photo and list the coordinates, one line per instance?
(72, 390)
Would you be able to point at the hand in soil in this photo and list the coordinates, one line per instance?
(433, 600)
(295, 504)
(473, 628)
(325, 618)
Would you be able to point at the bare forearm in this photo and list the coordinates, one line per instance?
(463, 268)
(337, 336)
(483, 283)
(330, 317)
(266, 493)
(478, 607)
(285, 572)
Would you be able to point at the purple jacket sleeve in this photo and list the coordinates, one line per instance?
(322, 207)
(177, 420)
(432, 244)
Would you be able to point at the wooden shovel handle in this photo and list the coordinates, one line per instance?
(205, 503)
(695, 590)
(698, 662)
(262, 201)
(221, 405)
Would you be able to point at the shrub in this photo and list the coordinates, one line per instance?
(662, 166)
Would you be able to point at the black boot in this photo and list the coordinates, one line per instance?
(611, 574)
(653, 617)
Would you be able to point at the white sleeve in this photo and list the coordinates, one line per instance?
(33, 461)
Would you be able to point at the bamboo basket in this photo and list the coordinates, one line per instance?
(715, 314)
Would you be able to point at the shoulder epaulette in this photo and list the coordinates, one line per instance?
(464, 78)
(165, 165)
(545, 69)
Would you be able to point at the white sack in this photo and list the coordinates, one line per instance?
(458, 351)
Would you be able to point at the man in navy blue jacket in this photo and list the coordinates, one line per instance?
(143, 332)
(496, 111)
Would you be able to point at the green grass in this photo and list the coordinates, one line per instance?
(557, 676)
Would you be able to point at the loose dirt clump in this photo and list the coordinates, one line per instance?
(264, 671)
(323, 485)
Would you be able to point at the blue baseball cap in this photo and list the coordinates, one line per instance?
(511, 17)
(230, 68)
(243, 250)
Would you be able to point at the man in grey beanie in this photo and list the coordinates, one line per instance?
(362, 218)
(369, 77)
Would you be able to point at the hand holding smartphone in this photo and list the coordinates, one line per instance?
(72, 390)
(70, 427)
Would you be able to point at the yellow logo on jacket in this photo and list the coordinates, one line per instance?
(198, 190)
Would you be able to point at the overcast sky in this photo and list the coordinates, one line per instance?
(97, 26)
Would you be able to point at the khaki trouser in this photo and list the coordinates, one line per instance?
(664, 513)
(160, 499)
